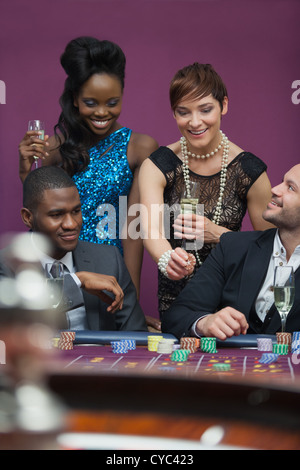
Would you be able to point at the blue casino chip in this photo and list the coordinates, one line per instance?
(268, 358)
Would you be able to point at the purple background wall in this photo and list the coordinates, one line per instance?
(253, 44)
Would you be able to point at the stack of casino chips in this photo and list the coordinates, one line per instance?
(190, 343)
(284, 341)
(264, 344)
(165, 346)
(281, 349)
(153, 341)
(120, 347)
(295, 347)
(66, 340)
(209, 345)
(268, 358)
(131, 344)
(180, 355)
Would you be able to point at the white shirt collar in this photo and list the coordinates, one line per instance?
(278, 249)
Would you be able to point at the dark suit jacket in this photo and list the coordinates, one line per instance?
(102, 259)
(232, 275)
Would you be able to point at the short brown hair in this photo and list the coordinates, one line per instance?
(196, 81)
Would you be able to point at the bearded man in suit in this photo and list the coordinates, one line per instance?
(232, 292)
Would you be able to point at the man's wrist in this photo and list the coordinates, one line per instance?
(195, 330)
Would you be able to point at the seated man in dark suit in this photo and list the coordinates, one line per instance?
(232, 292)
(51, 206)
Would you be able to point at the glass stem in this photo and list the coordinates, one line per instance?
(283, 322)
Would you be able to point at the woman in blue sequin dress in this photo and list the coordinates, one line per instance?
(101, 155)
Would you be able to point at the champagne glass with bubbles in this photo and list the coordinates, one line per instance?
(189, 205)
(284, 291)
(37, 125)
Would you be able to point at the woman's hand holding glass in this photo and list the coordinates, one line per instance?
(197, 227)
(32, 147)
(189, 226)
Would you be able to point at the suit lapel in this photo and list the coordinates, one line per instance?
(84, 261)
(254, 270)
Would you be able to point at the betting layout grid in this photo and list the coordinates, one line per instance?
(192, 355)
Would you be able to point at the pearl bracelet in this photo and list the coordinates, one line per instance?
(163, 262)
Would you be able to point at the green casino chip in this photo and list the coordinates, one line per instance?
(209, 345)
(180, 355)
(281, 349)
(221, 367)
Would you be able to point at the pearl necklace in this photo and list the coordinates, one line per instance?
(207, 155)
(224, 165)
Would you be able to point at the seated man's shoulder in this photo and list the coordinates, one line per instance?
(247, 236)
(106, 255)
(97, 249)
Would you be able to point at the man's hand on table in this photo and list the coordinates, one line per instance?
(223, 324)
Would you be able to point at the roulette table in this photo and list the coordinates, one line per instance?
(142, 399)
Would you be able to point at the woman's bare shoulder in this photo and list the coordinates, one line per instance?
(140, 147)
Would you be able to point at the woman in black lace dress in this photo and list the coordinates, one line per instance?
(230, 181)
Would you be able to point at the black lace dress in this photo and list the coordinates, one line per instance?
(242, 172)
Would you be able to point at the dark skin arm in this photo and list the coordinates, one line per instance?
(46, 150)
(95, 284)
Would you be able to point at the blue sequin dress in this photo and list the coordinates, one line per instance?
(106, 178)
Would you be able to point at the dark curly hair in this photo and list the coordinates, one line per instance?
(42, 179)
(82, 58)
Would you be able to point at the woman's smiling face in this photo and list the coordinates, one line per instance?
(199, 121)
(99, 103)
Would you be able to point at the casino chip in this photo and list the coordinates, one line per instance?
(131, 344)
(190, 343)
(180, 355)
(221, 367)
(66, 340)
(165, 346)
(119, 347)
(295, 346)
(209, 345)
(264, 344)
(281, 349)
(284, 338)
(268, 358)
(153, 341)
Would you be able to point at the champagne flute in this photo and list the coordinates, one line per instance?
(39, 126)
(284, 291)
(189, 205)
(55, 282)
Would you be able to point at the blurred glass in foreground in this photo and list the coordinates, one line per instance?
(27, 325)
